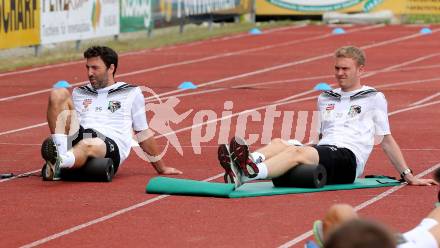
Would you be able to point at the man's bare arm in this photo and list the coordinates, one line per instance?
(394, 154)
(148, 144)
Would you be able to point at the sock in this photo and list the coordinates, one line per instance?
(257, 157)
(262, 173)
(60, 141)
(68, 160)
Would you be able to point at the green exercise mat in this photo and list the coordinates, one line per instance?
(174, 186)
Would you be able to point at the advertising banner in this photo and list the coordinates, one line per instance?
(64, 20)
(317, 7)
(168, 11)
(136, 15)
(19, 23)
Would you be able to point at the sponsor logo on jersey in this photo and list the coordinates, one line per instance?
(86, 104)
(330, 107)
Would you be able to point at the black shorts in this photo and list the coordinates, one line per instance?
(340, 163)
(112, 148)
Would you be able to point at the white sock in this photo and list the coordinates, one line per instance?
(60, 141)
(257, 157)
(68, 160)
(262, 173)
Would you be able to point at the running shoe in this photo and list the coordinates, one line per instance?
(240, 156)
(318, 232)
(232, 173)
(49, 152)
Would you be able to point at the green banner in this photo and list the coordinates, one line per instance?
(136, 15)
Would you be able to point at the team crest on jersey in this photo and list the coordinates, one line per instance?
(86, 103)
(354, 110)
(114, 105)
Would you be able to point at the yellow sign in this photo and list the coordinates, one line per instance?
(317, 7)
(19, 23)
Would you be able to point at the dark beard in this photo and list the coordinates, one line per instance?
(99, 84)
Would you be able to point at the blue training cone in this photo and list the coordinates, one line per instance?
(255, 31)
(425, 31)
(338, 31)
(322, 86)
(311, 244)
(187, 85)
(61, 84)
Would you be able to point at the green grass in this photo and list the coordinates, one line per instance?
(421, 19)
(67, 51)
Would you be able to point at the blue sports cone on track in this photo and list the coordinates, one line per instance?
(425, 31)
(187, 85)
(255, 31)
(338, 31)
(311, 244)
(61, 84)
(322, 86)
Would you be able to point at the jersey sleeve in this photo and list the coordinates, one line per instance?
(381, 124)
(138, 113)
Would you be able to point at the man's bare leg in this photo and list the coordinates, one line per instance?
(336, 215)
(62, 121)
(60, 116)
(59, 112)
(289, 158)
(91, 147)
(281, 158)
(273, 148)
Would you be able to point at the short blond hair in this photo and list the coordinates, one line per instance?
(351, 52)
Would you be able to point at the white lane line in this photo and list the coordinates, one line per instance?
(423, 67)
(426, 99)
(206, 146)
(149, 50)
(23, 128)
(186, 62)
(394, 67)
(363, 205)
(414, 107)
(104, 218)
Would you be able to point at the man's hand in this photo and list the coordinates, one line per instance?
(412, 180)
(165, 170)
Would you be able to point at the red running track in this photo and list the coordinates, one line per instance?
(276, 65)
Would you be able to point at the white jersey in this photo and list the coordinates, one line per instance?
(113, 111)
(353, 120)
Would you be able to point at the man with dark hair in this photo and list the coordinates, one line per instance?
(106, 54)
(361, 234)
(97, 120)
(352, 116)
(342, 228)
